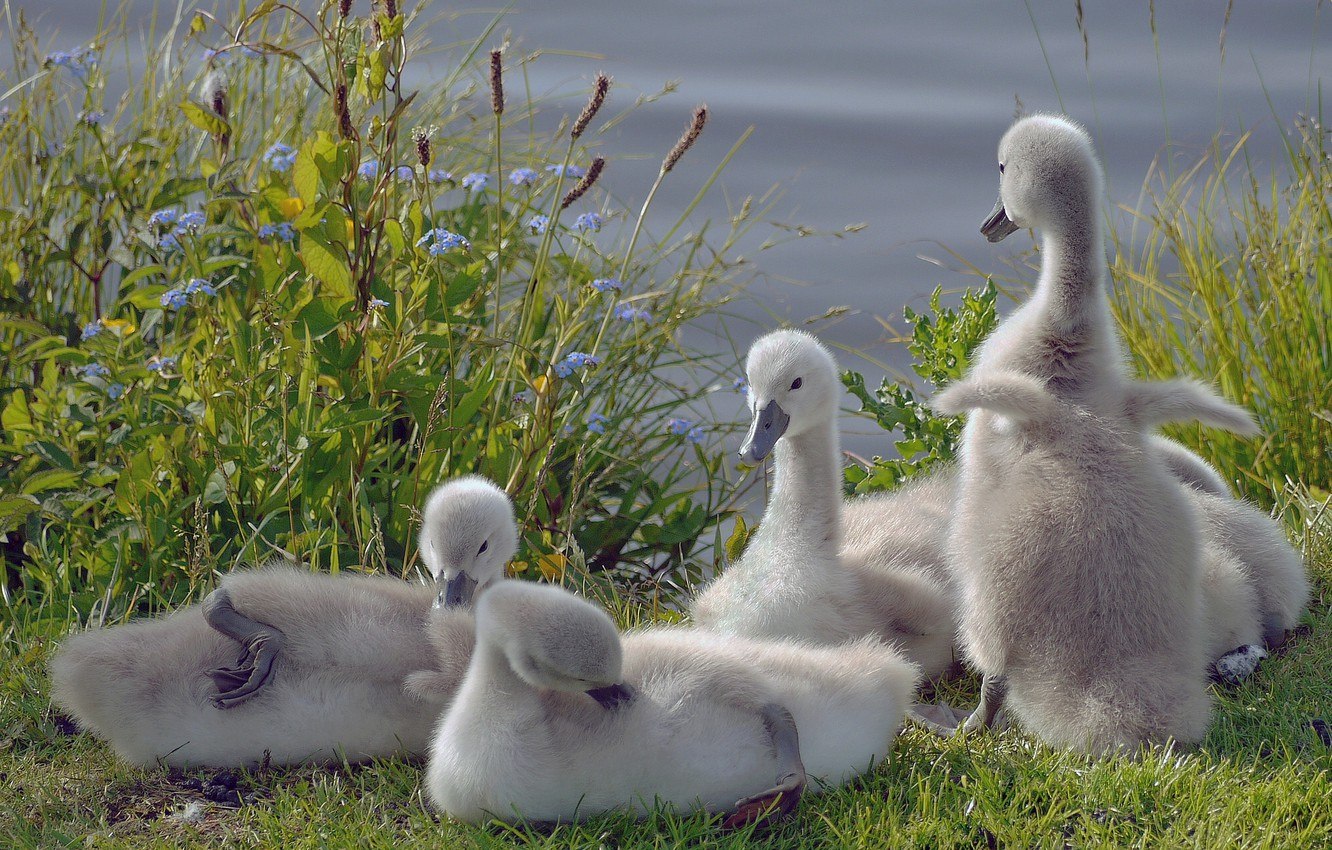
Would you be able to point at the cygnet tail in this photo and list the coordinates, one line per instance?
(1017, 396)
(1152, 403)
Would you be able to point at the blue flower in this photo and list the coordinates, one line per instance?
(190, 222)
(280, 157)
(523, 176)
(196, 284)
(376, 303)
(161, 364)
(94, 370)
(439, 175)
(574, 360)
(115, 391)
(596, 423)
(175, 298)
(630, 313)
(538, 223)
(78, 63)
(524, 396)
(741, 386)
(168, 242)
(607, 284)
(283, 231)
(441, 241)
(162, 218)
(91, 329)
(475, 182)
(93, 118)
(679, 427)
(695, 435)
(588, 221)
(567, 170)
(369, 169)
(405, 173)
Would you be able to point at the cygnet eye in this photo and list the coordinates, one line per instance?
(485, 544)
(797, 383)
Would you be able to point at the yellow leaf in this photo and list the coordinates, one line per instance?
(516, 567)
(291, 207)
(541, 384)
(552, 566)
(120, 327)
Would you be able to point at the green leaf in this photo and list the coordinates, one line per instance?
(735, 544)
(14, 510)
(328, 264)
(205, 119)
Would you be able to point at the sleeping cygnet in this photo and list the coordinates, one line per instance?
(559, 718)
(300, 666)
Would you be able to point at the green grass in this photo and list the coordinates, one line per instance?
(1261, 778)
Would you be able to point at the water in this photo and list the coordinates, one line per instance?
(888, 114)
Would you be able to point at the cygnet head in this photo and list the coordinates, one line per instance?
(1048, 177)
(550, 637)
(793, 387)
(468, 535)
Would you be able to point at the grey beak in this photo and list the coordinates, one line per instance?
(767, 428)
(998, 225)
(456, 591)
(612, 697)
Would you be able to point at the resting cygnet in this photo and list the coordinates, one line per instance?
(304, 667)
(559, 718)
(1078, 555)
(791, 581)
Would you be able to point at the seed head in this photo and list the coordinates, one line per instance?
(345, 128)
(594, 103)
(344, 8)
(687, 140)
(593, 172)
(496, 83)
(421, 138)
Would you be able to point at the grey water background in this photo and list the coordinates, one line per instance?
(884, 114)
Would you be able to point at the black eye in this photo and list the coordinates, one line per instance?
(484, 546)
(797, 383)
(1001, 168)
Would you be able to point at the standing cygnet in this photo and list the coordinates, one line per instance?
(329, 666)
(791, 581)
(1078, 554)
(1076, 550)
(559, 718)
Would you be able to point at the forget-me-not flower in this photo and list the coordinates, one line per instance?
(567, 170)
(91, 329)
(588, 221)
(283, 231)
(78, 62)
(475, 182)
(369, 169)
(596, 423)
(607, 284)
(175, 298)
(94, 370)
(377, 303)
(440, 241)
(115, 391)
(538, 223)
(575, 360)
(439, 175)
(630, 313)
(164, 217)
(741, 386)
(523, 176)
(190, 222)
(405, 173)
(280, 157)
(92, 117)
(161, 364)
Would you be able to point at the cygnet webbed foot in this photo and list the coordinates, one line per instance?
(939, 718)
(613, 697)
(262, 644)
(781, 799)
(994, 690)
(1237, 665)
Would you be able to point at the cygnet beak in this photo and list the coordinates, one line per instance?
(998, 225)
(456, 591)
(612, 697)
(767, 428)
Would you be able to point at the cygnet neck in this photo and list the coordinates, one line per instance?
(804, 508)
(1071, 287)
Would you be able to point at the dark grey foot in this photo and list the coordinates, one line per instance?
(994, 690)
(781, 799)
(940, 719)
(261, 644)
(613, 697)
(1237, 665)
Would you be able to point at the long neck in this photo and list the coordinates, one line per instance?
(806, 501)
(491, 676)
(1071, 289)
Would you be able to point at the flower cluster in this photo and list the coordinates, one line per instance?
(92, 117)
(91, 330)
(538, 223)
(369, 169)
(115, 391)
(440, 241)
(596, 423)
(405, 173)
(572, 171)
(574, 360)
(178, 296)
(439, 175)
(179, 224)
(607, 284)
(741, 386)
(282, 231)
(588, 221)
(94, 370)
(280, 157)
(475, 182)
(523, 176)
(377, 303)
(687, 428)
(78, 62)
(630, 313)
(161, 364)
